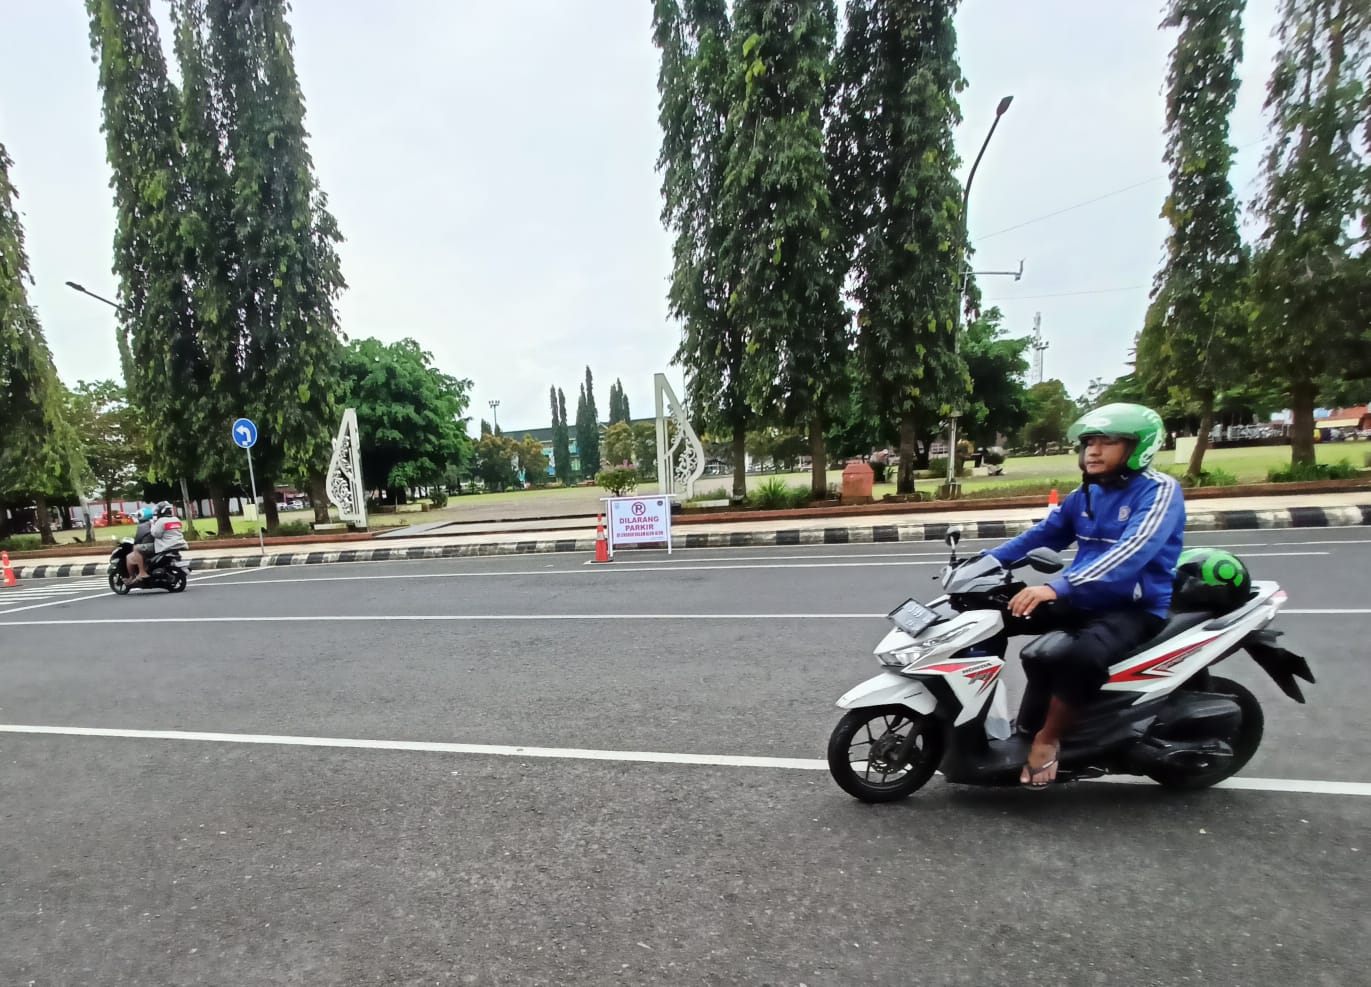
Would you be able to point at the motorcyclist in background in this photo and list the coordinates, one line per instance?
(143, 546)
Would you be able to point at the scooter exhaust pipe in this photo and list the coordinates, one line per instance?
(1154, 752)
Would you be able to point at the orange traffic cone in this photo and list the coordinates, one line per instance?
(8, 569)
(601, 543)
(1052, 504)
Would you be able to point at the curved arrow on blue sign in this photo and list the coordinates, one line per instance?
(244, 433)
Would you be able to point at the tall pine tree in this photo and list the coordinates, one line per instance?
(1195, 338)
(562, 443)
(693, 38)
(1307, 273)
(589, 438)
(781, 243)
(895, 170)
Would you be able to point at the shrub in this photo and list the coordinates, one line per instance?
(774, 495)
(938, 467)
(22, 543)
(1214, 477)
(618, 481)
(292, 528)
(718, 493)
(1312, 472)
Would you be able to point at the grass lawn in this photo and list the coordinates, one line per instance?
(1035, 472)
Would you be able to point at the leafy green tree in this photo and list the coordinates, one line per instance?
(620, 444)
(645, 448)
(998, 404)
(1195, 338)
(1050, 413)
(532, 460)
(693, 83)
(170, 245)
(782, 248)
(287, 277)
(113, 437)
(410, 415)
(38, 447)
(1308, 278)
(895, 165)
(497, 459)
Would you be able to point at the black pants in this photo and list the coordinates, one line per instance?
(1071, 661)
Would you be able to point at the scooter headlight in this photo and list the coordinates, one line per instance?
(919, 650)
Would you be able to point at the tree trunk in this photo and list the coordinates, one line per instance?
(219, 498)
(1202, 441)
(819, 455)
(318, 496)
(44, 522)
(739, 462)
(1302, 424)
(270, 509)
(905, 483)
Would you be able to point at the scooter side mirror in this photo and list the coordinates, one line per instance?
(1045, 560)
(954, 535)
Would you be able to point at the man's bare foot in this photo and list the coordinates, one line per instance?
(1040, 770)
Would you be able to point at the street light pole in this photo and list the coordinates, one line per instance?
(952, 485)
(185, 491)
(495, 413)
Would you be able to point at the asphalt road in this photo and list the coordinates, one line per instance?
(331, 860)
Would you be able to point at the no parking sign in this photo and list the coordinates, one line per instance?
(639, 521)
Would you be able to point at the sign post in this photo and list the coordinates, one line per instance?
(245, 437)
(639, 521)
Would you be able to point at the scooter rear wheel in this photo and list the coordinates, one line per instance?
(864, 752)
(178, 581)
(1244, 743)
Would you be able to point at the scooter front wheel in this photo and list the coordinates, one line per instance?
(118, 583)
(884, 753)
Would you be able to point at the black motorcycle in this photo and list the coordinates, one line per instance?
(165, 570)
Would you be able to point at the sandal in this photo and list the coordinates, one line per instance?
(1033, 773)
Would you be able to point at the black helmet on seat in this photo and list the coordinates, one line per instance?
(1210, 579)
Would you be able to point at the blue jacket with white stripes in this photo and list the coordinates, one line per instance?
(1129, 537)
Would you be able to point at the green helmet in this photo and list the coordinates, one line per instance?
(1210, 579)
(1139, 425)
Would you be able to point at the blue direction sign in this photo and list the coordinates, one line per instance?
(244, 433)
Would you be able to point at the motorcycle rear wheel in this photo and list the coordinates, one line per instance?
(178, 581)
(1244, 743)
(881, 730)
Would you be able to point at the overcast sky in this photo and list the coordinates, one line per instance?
(492, 166)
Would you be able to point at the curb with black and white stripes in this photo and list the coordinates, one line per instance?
(1288, 517)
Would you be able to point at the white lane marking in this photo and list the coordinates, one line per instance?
(101, 596)
(1314, 613)
(632, 567)
(512, 617)
(1289, 785)
(641, 567)
(455, 618)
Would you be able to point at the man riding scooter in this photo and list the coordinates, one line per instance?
(1128, 521)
